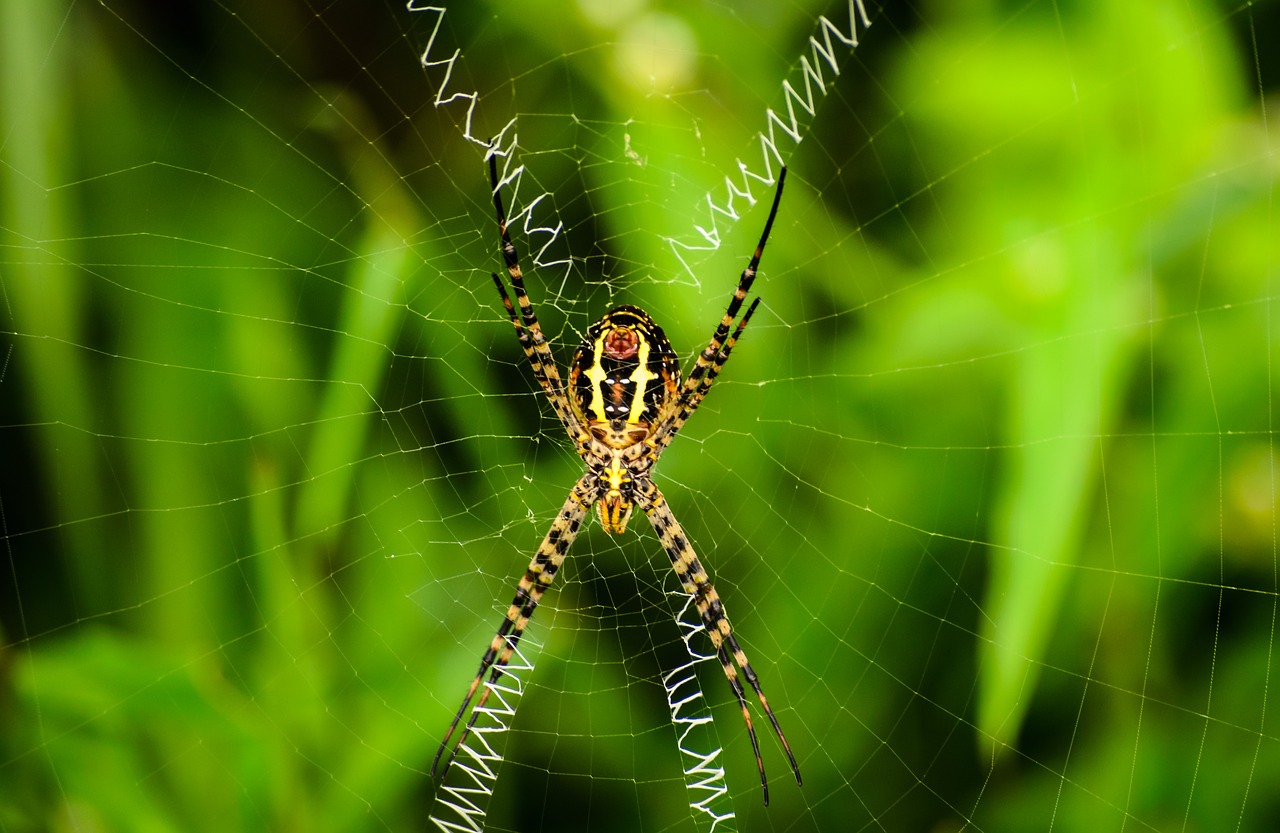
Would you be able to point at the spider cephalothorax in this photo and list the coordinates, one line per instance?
(622, 405)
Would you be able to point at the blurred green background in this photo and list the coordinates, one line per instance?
(989, 488)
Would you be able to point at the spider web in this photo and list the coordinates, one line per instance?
(989, 487)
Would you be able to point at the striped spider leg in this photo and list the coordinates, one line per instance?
(694, 580)
(716, 353)
(621, 406)
(546, 561)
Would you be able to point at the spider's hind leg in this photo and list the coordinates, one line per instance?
(535, 581)
(694, 580)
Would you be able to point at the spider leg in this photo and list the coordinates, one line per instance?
(708, 357)
(535, 581)
(694, 580)
(716, 353)
(722, 357)
(683, 407)
(536, 348)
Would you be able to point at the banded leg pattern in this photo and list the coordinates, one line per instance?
(687, 404)
(535, 581)
(694, 580)
(536, 348)
(707, 358)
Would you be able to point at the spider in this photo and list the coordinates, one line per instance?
(622, 406)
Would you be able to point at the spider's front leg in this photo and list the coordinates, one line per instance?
(694, 580)
(525, 320)
(714, 356)
(535, 581)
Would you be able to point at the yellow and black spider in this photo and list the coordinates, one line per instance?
(622, 407)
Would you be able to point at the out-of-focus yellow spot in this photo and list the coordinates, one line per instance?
(1252, 502)
(609, 13)
(656, 53)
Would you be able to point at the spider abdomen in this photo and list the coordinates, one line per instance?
(622, 376)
